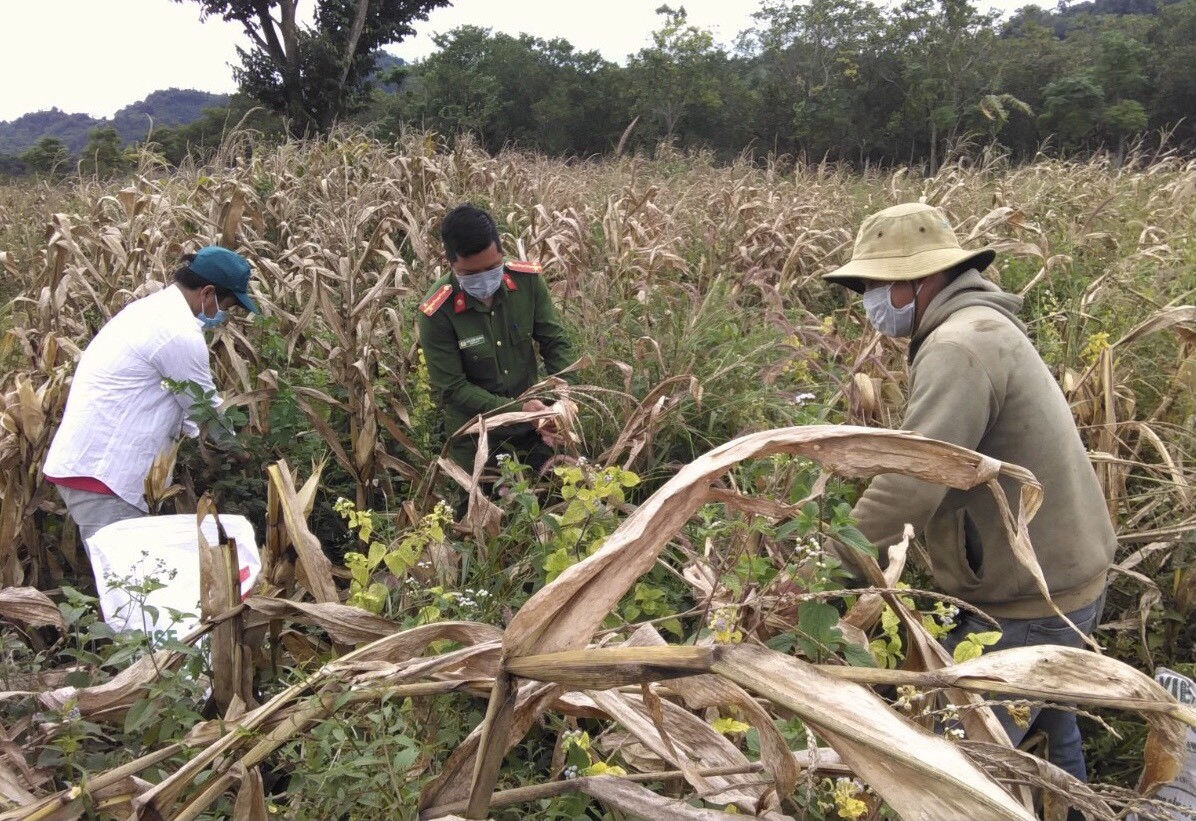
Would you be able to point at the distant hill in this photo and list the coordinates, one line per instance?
(20, 134)
(1065, 16)
(173, 106)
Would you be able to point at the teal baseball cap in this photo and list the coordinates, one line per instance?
(225, 269)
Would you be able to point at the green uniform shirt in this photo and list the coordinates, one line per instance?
(479, 358)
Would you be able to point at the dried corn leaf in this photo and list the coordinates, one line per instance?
(1166, 318)
(111, 700)
(1064, 674)
(315, 571)
(690, 744)
(920, 775)
(251, 798)
(924, 652)
(11, 789)
(868, 608)
(643, 803)
(344, 624)
(902, 762)
(453, 783)
(31, 607)
(703, 691)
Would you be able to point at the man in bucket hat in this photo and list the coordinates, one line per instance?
(976, 380)
(121, 411)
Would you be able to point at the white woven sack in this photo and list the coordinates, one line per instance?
(164, 549)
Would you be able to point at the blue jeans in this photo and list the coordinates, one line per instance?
(1063, 733)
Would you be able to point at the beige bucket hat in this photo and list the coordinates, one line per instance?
(905, 242)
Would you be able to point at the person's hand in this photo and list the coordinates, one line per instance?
(545, 427)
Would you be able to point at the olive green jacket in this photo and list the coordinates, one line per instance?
(977, 381)
(480, 358)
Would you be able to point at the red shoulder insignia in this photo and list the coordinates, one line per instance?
(522, 267)
(432, 304)
(509, 281)
(459, 303)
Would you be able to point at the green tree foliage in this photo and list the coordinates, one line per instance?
(855, 80)
(320, 74)
(1072, 108)
(11, 166)
(816, 74)
(200, 138)
(941, 48)
(104, 155)
(1172, 42)
(48, 157)
(677, 81)
(514, 90)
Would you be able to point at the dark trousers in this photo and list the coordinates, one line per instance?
(522, 442)
(1063, 733)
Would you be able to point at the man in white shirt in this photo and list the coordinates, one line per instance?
(121, 411)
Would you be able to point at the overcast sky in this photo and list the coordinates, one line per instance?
(97, 56)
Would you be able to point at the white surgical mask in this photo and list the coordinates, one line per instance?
(483, 284)
(214, 321)
(890, 321)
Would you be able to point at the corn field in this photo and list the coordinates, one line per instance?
(728, 402)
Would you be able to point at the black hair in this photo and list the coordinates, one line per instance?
(468, 230)
(193, 282)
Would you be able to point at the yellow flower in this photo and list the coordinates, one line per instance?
(1020, 713)
(844, 796)
(722, 626)
(1097, 343)
(729, 726)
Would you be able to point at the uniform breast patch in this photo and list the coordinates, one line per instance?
(471, 342)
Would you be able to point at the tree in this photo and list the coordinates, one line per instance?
(944, 45)
(1121, 65)
(1173, 53)
(315, 75)
(815, 78)
(1072, 108)
(201, 138)
(104, 154)
(679, 75)
(514, 90)
(46, 157)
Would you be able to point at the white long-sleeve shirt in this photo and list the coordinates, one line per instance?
(119, 415)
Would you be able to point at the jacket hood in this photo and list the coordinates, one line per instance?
(968, 289)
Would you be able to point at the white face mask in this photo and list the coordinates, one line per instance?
(890, 321)
(482, 284)
(211, 323)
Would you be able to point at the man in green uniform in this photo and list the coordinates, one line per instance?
(479, 328)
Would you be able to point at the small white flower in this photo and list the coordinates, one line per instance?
(803, 398)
